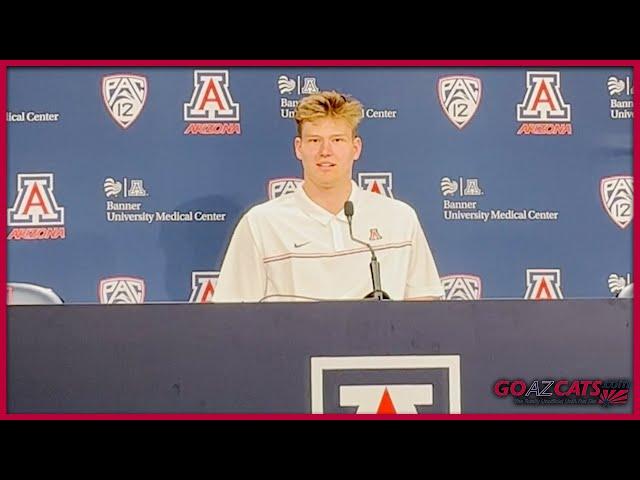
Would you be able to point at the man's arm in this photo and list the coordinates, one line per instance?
(423, 281)
(243, 275)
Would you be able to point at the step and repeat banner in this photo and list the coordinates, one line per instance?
(124, 185)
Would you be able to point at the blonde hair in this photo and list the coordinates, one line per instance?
(329, 104)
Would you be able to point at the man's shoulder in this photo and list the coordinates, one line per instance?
(271, 207)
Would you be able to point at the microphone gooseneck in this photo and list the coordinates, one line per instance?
(374, 266)
(348, 212)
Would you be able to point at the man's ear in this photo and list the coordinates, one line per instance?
(297, 142)
(357, 144)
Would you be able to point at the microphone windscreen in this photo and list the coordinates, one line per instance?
(348, 208)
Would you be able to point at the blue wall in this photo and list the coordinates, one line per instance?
(132, 132)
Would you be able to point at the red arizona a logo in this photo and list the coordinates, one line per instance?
(211, 105)
(36, 206)
(385, 399)
(543, 284)
(543, 108)
(203, 284)
(377, 182)
(374, 234)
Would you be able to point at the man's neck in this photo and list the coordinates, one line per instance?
(331, 199)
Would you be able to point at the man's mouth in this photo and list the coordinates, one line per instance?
(325, 164)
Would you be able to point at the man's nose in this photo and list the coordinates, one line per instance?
(325, 148)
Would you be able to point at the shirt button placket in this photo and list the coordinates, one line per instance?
(338, 239)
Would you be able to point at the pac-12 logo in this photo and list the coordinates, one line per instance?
(211, 110)
(543, 284)
(616, 194)
(380, 182)
(459, 97)
(121, 290)
(276, 187)
(543, 110)
(35, 211)
(124, 96)
(203, 284)
(386, 384)
(462, 287)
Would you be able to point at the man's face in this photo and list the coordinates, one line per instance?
(327, 150)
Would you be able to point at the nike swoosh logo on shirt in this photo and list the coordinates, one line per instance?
(298, 245)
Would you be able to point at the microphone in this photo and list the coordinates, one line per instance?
(374, 266)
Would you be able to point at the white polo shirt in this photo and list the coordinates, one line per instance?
(290, 249)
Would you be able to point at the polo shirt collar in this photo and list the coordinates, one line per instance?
(318, 213)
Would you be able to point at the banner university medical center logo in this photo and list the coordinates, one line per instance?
(543, 110)
(203, 284)
(297, 85)
(386, 384)
(459, 97)
(121, 290)
(36, 209)
(617, 282)
(462, 287)
(133, 187)
(124, 96)
(543, 284)
(211, 110)
(621, 97)
(616, 194)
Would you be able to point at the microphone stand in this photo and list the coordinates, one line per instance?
(374, 266)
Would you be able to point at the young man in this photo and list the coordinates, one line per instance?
(297, 246)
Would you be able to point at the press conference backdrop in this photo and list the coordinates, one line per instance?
(124, 185)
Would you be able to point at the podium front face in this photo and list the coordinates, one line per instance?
(512, 356)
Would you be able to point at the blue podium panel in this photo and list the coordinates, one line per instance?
(572, 356)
